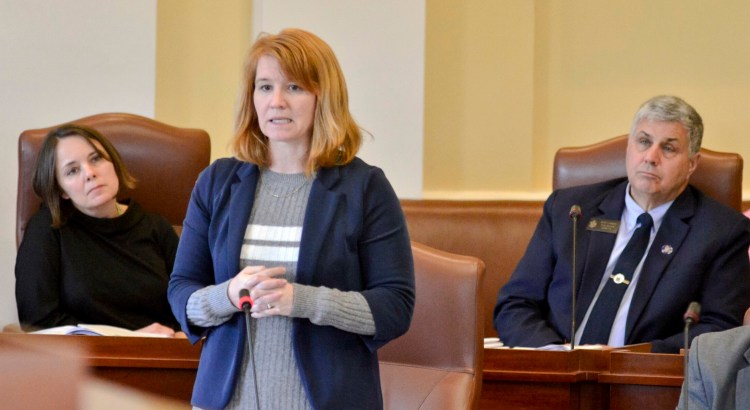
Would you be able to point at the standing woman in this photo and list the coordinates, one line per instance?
(315, 234)
(85, 257)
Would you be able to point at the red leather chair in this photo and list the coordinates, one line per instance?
(719, 174)
(497, 232)
(166, 161)
(437, 364)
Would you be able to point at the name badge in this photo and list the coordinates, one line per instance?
(603, 225)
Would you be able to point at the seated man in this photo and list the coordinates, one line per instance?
(677, 246)
(718, 371)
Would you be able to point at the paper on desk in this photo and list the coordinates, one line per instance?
(492, 343)
(567, 347)
(555, 347)
(495, 343)
(94, 330)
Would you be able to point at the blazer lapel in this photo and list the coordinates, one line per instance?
(742, 391)
(599, 248)
(242, 195)
(672, 233)
(320, 213)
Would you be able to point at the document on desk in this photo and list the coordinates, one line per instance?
(496, 343)
(492, 343)
(566, 347)
(94, 330)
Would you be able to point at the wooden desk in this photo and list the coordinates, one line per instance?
(32, 378)
(513, 378)
(643, 380)
(582, 379)
(522, 379)
(166, 367)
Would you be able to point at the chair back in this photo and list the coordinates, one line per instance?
(165, 160)
(495, 231)
(719, 174)
(437, 364)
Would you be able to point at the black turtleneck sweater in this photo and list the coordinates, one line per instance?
(95, 270)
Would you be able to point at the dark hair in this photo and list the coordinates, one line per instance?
(45, 177)
(308, 60)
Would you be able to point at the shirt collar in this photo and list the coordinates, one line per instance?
(633, 211)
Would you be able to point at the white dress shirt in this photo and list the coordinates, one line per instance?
(628, 222)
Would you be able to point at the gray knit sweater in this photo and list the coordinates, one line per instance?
(272, 238)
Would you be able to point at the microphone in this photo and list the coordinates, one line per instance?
(574, 214)
(246, 303)
(691, 316)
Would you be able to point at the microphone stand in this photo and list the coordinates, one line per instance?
(685, 374)
(247, 303)
(575, 213)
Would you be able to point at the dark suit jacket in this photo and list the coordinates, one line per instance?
(719, 371)
(354, 238)
(698, 254)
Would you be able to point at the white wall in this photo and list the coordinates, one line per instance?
(59, 61)
(380, 46)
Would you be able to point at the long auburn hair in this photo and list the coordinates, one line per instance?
(309, 61)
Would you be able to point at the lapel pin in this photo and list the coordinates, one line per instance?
(667, 249)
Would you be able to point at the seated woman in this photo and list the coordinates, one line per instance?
(85, 257)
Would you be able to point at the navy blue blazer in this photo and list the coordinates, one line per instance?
(698, 254)
(354, 238)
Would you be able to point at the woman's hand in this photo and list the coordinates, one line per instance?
(275, 301)
(159, 329)
(251, 278)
